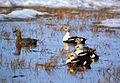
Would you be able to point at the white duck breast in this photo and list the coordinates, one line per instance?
(66, 37)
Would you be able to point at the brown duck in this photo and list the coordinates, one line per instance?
(24, 42)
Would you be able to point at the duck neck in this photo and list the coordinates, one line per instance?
(67, 35)
(19, 36)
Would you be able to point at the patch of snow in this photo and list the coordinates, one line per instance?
(115, 10)
(26, 13)
(2, 16)
(96, 4)
(111, 23)
(75, 12)
(22, 14)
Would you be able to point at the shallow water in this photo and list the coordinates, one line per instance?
(23, 67)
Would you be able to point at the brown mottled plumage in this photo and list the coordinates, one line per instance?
(87, 49)
(24, 42)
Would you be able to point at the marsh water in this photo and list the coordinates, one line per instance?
(28, 64)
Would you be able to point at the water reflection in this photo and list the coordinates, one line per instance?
(19, 46)
(74, 68)
(17, 64)
(68, 47)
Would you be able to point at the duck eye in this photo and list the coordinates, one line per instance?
(72, 56)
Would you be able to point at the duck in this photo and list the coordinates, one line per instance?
(68, 39)
(24, 42)
(81, 60)
(80, 50)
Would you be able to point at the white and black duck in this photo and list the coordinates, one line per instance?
(80, 60)
(81, 50)
(68, 39)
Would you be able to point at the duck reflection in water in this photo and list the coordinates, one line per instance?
(76, 67)
(23, 42)
(78, 63)
(67, 46)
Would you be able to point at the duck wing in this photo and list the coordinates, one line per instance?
(28, 42)
(88, 56)
(70, 40)
(77, 37)
(84, 55)
(82, 40)
(80, 61)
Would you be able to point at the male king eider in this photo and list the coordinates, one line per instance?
(68, 39)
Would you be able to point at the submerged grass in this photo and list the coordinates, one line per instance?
(17, 64)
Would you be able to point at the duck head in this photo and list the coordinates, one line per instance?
(65, 29)
(70, 57)
(17, 33)
(78, 47)
(78, 40)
